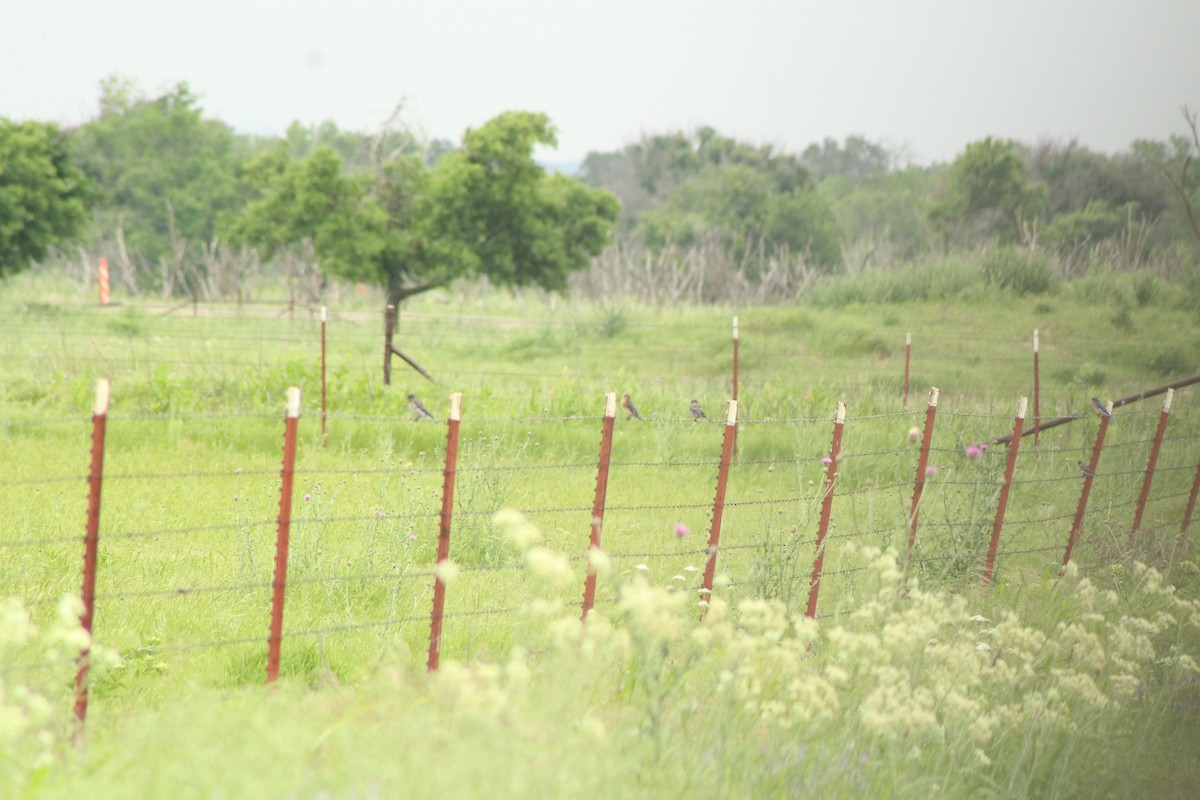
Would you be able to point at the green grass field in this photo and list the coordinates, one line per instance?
(1080, 687)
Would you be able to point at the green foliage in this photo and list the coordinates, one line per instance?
(987, 194)
(494, 210)
(312, 202)
(163, 173)
(1019, 270)
(43, 194)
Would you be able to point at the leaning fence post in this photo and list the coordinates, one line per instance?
(1149, 478)
(835, 451)
(286, 478)
(1005, 488)
(91, 541)
(606, 434)
(1037, 406)
(714, 533)
(324, 401)
(922, 465)
(907, 360)
(443, 550)
(1089, 474)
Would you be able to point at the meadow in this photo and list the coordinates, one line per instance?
(915, 677)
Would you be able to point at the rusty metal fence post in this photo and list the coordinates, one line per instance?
(1089, 474)
(1150, 465)
(279, 585)
(835, 450)
(91, 540)
(443, 550)
(714, 533)
(606, 434)
(1005, 488)
(922, 466)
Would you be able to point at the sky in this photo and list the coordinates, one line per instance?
(923, 78)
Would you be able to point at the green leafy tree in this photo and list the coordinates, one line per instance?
(43, 194)
(291, 203)
(987, 195)
(743, 206)
(163, 172)
(487, 208)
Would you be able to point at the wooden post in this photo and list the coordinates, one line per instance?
(1150, 465)
(606, 434)
(91, 541)
(1005, 488)
(735, 358)
(103, 278)
(1191, 503)
(922, 465)
(279, 586)
(714, 533)
(443, 551)
(389, 329)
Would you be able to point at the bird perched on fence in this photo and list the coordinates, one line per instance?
(1101, 409)
(627, 404)
(419, 411)
(1084, 471)
(697, 412)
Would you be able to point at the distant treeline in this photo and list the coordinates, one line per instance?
(166, 191)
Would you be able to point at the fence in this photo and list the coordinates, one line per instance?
(360, 546)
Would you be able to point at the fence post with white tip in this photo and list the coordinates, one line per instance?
(835, 454)
(91, 540)
(443, 549)
(283, 531)
(714, 533)
(922, 467)
(606, 434)
(1005, 488)
(1150, 465)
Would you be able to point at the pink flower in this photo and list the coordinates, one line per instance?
(412, 537)
(681, 530)
(973, 451)
(307, 496)
(827, 460)
(930, 471)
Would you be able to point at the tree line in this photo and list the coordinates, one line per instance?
(184, 205)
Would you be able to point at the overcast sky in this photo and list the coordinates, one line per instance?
(925, 76)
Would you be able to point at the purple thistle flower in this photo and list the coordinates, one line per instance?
(681, 530)
(826, 460)
(930, 471)
(973, 451)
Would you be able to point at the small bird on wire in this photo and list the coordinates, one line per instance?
(1084, 471)
(1101, 409)
(697, 412)
(627, 404)
(419, 411)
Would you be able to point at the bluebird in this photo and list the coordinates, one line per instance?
(1100, 408)
(419, 411)
(1083, 469)
(697, 412)
(627, 404)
